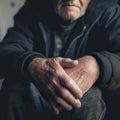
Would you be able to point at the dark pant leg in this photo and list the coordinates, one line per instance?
(13, 102)
(42, 107)
(93, 107)
(23, 102)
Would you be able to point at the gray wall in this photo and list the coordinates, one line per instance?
(7, 10)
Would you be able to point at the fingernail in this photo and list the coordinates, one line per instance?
(57, 112)
(70, 108)
(81, 94)
(78, 103)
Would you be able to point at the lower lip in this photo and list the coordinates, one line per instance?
(70, 6)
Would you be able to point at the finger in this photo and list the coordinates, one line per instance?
(55, 100)
(63, 103)
(58, 104)
(55, 108)
(67, 82)
(67, 62)
(65, 99)
(66, 94)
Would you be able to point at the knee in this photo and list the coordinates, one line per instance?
(93, 106)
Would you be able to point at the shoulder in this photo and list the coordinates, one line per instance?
(33, 10)
(110, 14)
(105, 10)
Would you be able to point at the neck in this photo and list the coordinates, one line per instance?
(64, 22)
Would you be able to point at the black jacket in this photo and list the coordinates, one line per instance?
(97, 33)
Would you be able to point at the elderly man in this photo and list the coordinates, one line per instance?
(57, 57)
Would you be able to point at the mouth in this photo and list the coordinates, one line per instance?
(71, 5)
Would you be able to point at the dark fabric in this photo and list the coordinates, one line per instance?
(26, 103)
(61, 36)
(96, 33)
(119, 1)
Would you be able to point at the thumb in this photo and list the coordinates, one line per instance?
(67, 62)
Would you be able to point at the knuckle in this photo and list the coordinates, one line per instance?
(70, 84)
(59, 58)
(65, 94)
(53, 73)
(81, 95)
(68, 59)
(56, 72)
(58, 99)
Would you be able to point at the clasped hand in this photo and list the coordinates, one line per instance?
(64, 81)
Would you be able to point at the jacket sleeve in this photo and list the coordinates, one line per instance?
(16, 49)
(109, 60)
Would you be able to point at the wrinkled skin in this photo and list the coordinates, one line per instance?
(64, 81)
(85, 73)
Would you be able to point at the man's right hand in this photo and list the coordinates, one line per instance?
(59, 89)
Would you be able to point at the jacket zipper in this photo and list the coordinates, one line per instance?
(76, 38)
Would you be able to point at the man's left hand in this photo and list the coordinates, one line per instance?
(85, 73)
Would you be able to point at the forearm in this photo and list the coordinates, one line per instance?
(109, 76)
(16, 50)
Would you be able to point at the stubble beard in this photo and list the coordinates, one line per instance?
(69, 17)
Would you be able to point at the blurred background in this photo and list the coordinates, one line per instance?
(8, 9)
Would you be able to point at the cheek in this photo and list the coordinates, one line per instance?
(84, 2)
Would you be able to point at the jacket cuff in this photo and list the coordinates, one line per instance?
(105, 69)
(24, 61)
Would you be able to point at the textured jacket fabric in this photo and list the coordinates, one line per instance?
(97, 33)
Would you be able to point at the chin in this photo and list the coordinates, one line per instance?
(69, 16)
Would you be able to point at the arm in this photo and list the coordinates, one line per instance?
(109, 60)
(17, 46)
